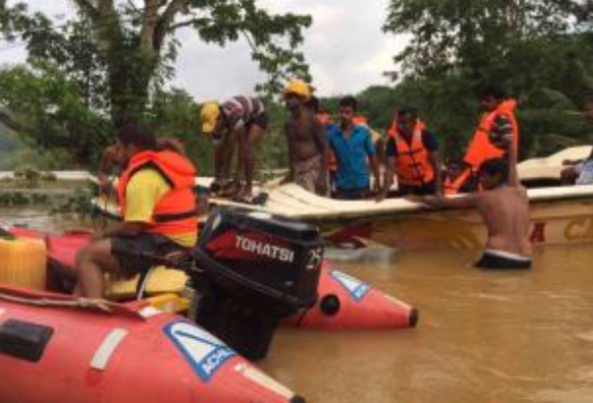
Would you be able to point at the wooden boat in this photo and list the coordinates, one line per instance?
(546, 171)
(558, 215)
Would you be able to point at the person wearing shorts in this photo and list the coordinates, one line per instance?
(238, 123)
(159, 210)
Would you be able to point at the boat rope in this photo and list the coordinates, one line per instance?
(83, 303)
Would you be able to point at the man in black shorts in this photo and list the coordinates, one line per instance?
(159, 209)
(240, 121)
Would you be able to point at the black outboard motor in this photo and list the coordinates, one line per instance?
(252, 270)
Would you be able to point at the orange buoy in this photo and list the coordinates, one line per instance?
(62, 352)
(347, 303)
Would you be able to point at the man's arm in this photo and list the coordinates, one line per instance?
(513, 179)
(320, 136)
(374, 163)
(376, 172)
(291, 153)
(108, 161)
(387, 177)
(440, 201)
(435, 161)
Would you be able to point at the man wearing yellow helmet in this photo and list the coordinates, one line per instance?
(307, 140)
(240, 121)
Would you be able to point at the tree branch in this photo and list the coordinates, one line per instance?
(149, 23)
(163, 26)
(9, 122)
(88, 8)
(188, 23)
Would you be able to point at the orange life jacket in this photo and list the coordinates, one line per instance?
(392, 131)
(481, 148)
(332, 162)
(412, 163)
(452, 186)
(360, 120)
(176, 212)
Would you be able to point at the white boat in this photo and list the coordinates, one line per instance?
(559, 214)
(547, 170)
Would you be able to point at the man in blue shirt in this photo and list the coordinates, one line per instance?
(354, 149)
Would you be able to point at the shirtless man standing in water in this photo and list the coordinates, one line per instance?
(504, 207)
(307, 141)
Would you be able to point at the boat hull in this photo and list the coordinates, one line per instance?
(559, 221)
(134, 354)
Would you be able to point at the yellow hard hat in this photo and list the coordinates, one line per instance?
(209, 115)
(299, 87)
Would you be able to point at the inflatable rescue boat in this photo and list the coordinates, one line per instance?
(55, 348)
(343, 302)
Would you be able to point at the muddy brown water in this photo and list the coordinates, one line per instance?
(485, 337)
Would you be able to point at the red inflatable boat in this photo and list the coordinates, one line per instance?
(53, 350)
(348, 303)
(344, 302)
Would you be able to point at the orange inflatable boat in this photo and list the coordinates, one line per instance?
(55, 349)
(343, 302)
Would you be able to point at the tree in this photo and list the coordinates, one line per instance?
(532, 48)
(118, 53)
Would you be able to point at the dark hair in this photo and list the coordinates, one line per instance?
(349, 101)
(494, 91)
(139, 135)
(314, 104)
(407, 111)
(495, 166)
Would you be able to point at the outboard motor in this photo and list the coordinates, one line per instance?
(252, 270)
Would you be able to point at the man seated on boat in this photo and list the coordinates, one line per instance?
(498, 113)
(158, 207)
(238, 123)
(504, 207)
(109, 164)
(307, 141)
(413, 155)
(354, 150)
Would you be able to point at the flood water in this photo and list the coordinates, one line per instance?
(482, 337)
(485, 337)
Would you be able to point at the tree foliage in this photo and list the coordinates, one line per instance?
(538, 50)
(116, 56)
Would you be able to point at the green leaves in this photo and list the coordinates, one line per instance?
(110, 64)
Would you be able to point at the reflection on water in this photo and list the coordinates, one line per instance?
(483, 336)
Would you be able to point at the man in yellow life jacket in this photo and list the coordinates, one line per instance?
(498, 120)
(158, 207)
(413, 155)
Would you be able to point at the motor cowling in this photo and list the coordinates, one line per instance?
(253, 271)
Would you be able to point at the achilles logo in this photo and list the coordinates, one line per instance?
(264, 249)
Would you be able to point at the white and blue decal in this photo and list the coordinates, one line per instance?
(356, 288)
(204, 352)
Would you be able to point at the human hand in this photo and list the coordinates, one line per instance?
(414, 198)
(381, 195)
(321, 186)
(286, 179)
